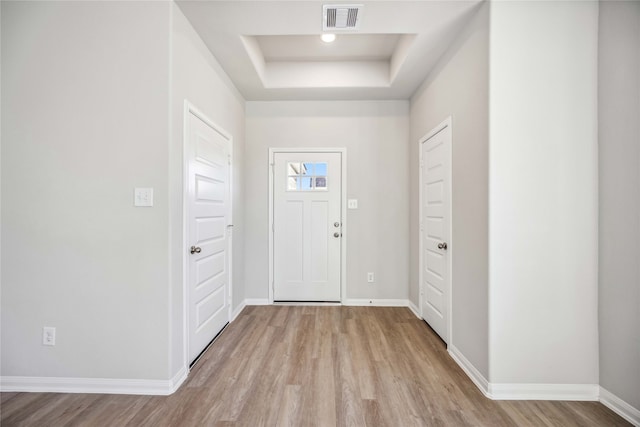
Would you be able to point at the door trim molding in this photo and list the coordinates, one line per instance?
(443, 125)
(343, 212)
(189, 108)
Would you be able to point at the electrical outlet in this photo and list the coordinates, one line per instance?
(48, 335)
(370, 277)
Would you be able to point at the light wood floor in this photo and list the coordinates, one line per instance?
(312, 366)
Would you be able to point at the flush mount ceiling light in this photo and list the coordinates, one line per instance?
(328, 37)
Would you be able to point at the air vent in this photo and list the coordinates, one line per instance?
(341, 17)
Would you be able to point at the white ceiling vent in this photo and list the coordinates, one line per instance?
(341, 17)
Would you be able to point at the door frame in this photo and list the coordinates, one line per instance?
(446, 123)
(343, 212)
(189, 108)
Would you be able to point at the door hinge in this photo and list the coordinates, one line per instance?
(273, 227)
(229, 159)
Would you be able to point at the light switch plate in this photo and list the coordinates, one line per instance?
(143, 197)
(48, 336)
(352, 204)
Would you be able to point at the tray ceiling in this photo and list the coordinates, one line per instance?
(271, 50)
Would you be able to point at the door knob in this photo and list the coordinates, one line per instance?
(195, 250)
(336, 224)
(442, 246)
(336, 234)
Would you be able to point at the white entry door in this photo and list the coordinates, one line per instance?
(208, 214)
(307, 226)
(435, 220)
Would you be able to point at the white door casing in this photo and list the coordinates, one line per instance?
(435, 229)
(207, 230)
(307, 226)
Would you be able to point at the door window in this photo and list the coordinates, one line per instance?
(306, 176)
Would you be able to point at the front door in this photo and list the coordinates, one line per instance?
(307, 226)
(208, 214)
(435, 151)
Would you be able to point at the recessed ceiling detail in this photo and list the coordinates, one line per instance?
(271, 50)
(341, 17)
(303, 61)
(346, 47)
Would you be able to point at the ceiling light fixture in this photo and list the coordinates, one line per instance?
(328, 37)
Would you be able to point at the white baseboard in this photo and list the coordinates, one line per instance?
(350, 302)
(308, 304)
(478, 379)
(377, 302)
(579, 392)
(414, 309)
(92, 385)
(620, 407)
(256, 301)
(582, 392)
(178, 379)
(238, 310)
(347, 302)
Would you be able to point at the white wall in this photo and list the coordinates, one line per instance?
(619, 154)
(84, 121)
(375, 134)
(458, 87)
(543, 193)
(196, 76)
(86, 118)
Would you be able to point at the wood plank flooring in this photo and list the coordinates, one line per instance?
(312, 366)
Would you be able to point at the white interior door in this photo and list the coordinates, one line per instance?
(435, 202)
(208, 215)
(307, 227)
